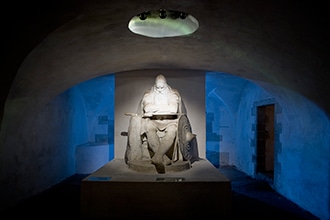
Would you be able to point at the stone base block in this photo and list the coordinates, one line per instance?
(146, 166)
(115, 191)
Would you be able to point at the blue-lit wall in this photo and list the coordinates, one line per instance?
(97, 101)
(301, 142)
(224, 94)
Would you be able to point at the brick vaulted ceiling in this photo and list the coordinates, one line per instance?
(278, 42)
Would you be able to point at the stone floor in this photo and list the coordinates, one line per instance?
(256, 199)
(250, 199)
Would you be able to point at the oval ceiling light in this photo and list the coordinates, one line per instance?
(163, 23)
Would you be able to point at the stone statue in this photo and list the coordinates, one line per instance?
(159, 133)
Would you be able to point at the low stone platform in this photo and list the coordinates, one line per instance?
(116, 191)
(146, 166)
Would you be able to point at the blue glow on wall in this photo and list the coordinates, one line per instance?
(213, 102)
(98, 100)
(223, 95)
(98, 94)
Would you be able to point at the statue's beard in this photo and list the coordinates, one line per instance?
(163, 92)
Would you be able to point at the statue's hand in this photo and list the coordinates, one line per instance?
(130, 114)
(147, 115)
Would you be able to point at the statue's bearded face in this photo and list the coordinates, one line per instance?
(160, 86)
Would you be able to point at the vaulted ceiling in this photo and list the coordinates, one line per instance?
(52, 46)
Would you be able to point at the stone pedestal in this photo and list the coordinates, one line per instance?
(146, 166)
(115, 191)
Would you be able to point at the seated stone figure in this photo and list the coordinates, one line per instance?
(160, 131)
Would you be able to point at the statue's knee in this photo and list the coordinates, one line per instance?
(135, 120)
(171, 130)
(150, 129)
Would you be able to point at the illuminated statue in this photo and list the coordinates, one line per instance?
(160, 132)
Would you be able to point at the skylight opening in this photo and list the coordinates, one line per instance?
(163, 23)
